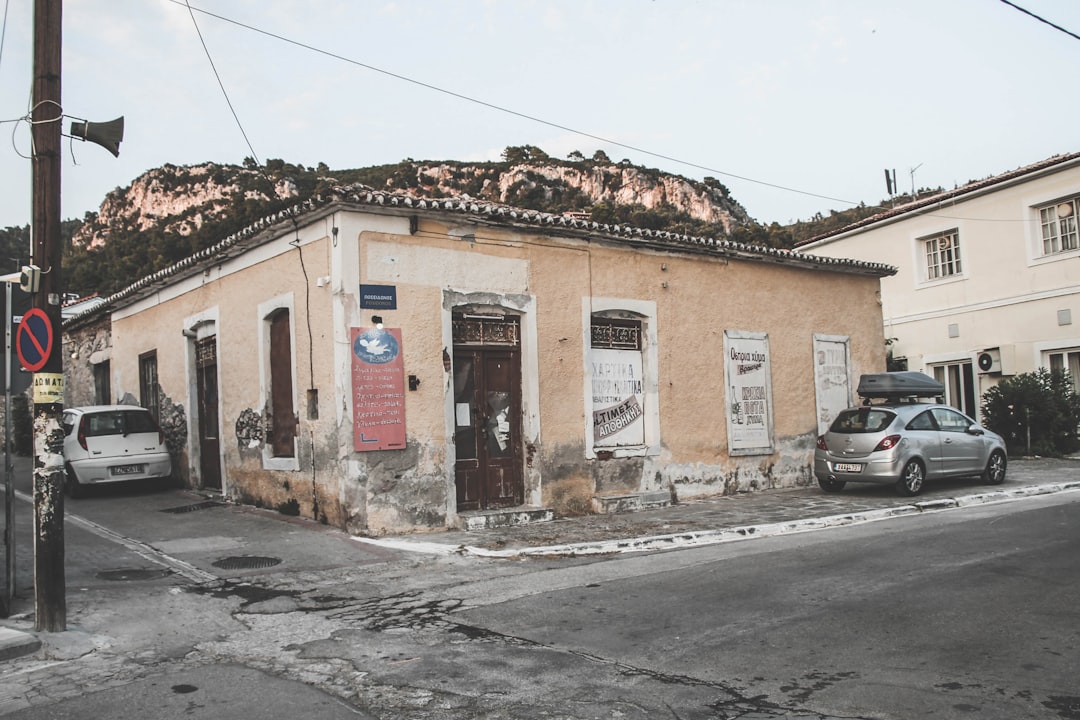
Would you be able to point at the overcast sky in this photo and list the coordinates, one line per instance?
(797, 106)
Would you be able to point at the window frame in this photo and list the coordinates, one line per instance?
(1053, 242)
(942, 256)
(267, 312)
(623, 312)
(150, 388)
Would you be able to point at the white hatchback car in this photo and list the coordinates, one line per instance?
(112, 443)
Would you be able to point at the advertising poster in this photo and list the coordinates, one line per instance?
(378, 389)
(832, 389)
(749, 393)
(618, 392)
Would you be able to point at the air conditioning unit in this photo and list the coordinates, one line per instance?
(997, 361)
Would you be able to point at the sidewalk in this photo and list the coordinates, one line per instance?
(738, 517)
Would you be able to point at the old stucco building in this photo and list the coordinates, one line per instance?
(389, 364)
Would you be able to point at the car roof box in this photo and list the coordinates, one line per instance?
(906, 384)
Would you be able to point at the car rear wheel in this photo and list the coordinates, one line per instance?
(831, 486)
(911, 479)
(994, 474)
(74, 488)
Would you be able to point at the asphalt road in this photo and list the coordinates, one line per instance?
(966, 614)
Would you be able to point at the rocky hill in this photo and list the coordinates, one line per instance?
(171, 212)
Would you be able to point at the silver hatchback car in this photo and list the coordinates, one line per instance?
(905, 444)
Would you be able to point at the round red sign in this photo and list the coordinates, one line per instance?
(34, 339)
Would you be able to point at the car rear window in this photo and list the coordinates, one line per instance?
(862, 420)
(121, 422)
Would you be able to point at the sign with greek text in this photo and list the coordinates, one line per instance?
(48, 388)
(378, 297)
(618, 393)
(749, 393)
(378, 389)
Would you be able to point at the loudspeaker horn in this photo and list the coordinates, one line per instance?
(107, 134)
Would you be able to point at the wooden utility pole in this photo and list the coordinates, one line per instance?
(50, 604)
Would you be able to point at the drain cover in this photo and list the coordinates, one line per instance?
(246, 562)
(134, 574)
(192, 508)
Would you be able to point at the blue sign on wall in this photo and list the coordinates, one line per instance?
(378, 297)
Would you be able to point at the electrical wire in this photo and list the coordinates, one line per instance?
(3, 31)
(499, 108)
(1041, 19)
(191, 11)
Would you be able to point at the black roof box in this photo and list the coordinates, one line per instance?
(906, 384)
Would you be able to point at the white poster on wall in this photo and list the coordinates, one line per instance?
(618, 396)
(831, 384)
(749, 393)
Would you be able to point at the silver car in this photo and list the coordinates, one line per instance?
(112, 443)
(905, 444)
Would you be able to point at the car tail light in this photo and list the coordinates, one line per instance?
(82, 433)
(888, 443)
(821, 443)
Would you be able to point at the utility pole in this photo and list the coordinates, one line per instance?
(50, 604)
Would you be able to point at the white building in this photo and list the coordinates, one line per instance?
(989, 277)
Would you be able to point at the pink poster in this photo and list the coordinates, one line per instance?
(378, 389)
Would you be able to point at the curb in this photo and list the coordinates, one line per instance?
(14, 643)
(700, 538)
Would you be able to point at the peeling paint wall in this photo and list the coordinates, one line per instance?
(85, 347)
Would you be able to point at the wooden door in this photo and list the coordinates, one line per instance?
(209, 435)
(487, 397)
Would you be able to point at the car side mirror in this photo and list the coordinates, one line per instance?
(975, 430)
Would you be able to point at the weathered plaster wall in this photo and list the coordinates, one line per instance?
(84, 347)
(697, 299)
(236, 292)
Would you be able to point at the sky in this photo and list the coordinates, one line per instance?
(797, 106)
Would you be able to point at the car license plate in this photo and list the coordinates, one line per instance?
(847, 467)
(127, 469)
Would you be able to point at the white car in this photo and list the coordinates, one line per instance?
(112, 443)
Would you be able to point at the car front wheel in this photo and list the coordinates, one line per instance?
(911, 479)
(994, 474)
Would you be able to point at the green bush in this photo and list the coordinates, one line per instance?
(1037, 413)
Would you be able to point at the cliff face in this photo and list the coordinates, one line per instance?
(178, 201)
(219, 199)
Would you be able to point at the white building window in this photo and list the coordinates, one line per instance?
(942, 255)
(959, 381)
(1067, 361)
(1058, 222)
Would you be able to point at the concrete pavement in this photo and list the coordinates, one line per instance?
(155, 538)
(739, 517)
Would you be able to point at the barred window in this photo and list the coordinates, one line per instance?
(942, 255)
(616, 334)
(1058, 222)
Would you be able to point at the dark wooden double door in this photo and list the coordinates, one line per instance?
(487, 436)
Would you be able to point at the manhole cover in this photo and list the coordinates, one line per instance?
(192, 508)
(134, 574)
(246, 562)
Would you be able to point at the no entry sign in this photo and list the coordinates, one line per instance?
(34, 339)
